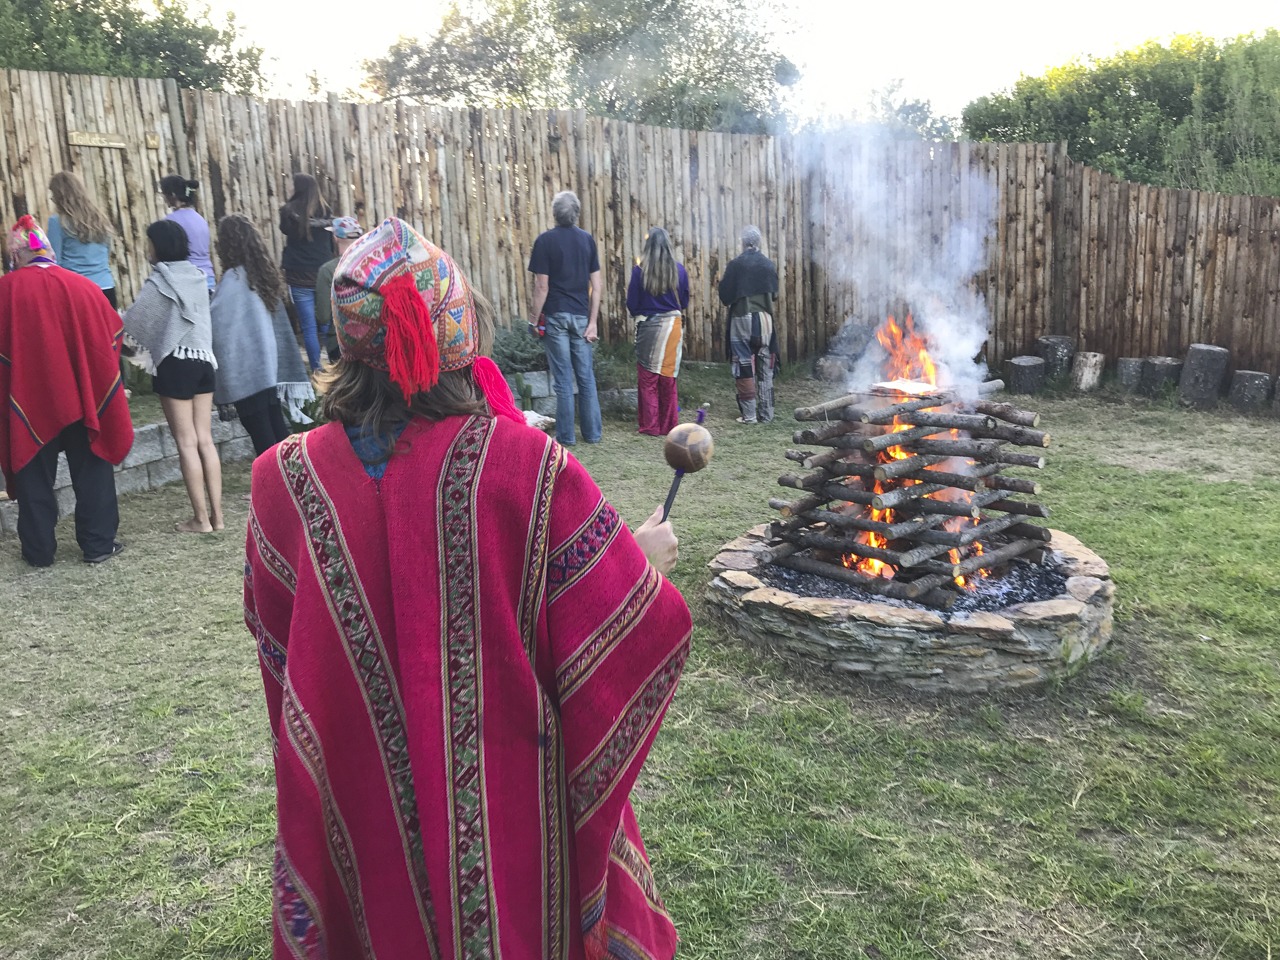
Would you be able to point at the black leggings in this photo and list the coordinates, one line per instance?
(263, 419)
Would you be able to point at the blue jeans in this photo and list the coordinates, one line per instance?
(569, 357)
(304, 298)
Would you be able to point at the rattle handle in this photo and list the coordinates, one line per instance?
(671, 495)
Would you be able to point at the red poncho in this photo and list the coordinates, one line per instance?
(59, 363)
(465, 665)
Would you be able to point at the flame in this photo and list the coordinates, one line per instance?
(907, 358)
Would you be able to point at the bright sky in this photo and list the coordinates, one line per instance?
(945, 52)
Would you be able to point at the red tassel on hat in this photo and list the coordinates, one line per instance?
(413, 359)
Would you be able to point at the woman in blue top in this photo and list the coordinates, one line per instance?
(182, 196)
(80, 233)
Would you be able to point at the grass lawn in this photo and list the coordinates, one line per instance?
(1130, 813)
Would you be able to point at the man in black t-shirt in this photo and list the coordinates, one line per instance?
(567, 288)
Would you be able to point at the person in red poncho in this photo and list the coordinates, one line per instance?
(60, 384)
(466, 653)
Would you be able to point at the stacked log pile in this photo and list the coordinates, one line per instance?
(908, 497)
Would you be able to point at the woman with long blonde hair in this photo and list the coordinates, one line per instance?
(657, 299)
(81, 233)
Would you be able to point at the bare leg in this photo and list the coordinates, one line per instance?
(178, 414)
(202, 408)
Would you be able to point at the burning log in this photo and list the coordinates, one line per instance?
(825, 459)
(906, 529)
(1014, 485)
(905, 468)
(1022, 436)
(845, 546)
(1029, 531)
(887, 440)
(886, 415)
(792, 508)
(974, 482)
(922, 591)
(820, 411)
(950, 421)
(826, 431)
(848, 469)
(985, 561)
(900, 495)
(973, 449)
(808, 481)
(1008, 413)
(1019, 507)
(838, 491)
(978, 531)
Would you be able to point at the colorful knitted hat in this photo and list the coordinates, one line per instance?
(27, 235)
(401, 304)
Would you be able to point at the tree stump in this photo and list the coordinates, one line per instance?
(1086, 371)
(1024, 374)
(1202, 376)
(1249, 390)
(832, 369)
(1158, 374)
(1056, 352)
(1128, 373)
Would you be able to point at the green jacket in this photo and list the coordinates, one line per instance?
(324, 303)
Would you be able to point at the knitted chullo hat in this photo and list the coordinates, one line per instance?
(400, 304)
(27, 235)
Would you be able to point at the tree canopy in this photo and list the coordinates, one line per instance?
(127, 38)
(1189, 113)
(700, 64)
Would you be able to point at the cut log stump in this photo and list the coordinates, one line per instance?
(832, 369)
(1024, 374)
(1086, 371)
(1128, 373)
(1056, 352)
(1202, 377)
(1158, 375)
(1249, 391)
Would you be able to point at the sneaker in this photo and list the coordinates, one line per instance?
(741, 420)
(116, 548)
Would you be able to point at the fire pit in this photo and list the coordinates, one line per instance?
(905, 555)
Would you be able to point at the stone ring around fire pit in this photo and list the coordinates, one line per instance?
(974, 652)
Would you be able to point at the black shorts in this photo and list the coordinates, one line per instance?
(181, 378)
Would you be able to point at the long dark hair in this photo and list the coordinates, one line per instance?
(305, 205)
(169, 240)
(241, 245)
(179, 188)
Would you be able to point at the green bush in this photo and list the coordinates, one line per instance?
(516, 350)
(615, 365)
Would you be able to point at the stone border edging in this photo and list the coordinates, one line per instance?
(1022, 645)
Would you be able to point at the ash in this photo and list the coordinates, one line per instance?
(1021, 583)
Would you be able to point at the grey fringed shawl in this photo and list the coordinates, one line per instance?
(170, 318)
(255, 346)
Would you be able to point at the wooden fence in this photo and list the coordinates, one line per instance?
(1125, 269)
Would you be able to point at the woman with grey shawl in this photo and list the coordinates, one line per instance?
(260, 366)
(170, 320)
